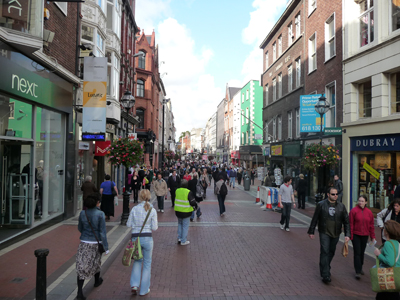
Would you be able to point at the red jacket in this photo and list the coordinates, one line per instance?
(362, 222)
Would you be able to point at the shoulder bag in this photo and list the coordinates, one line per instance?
(133, 251)
(386, 279)
(101, 246)
(113, 192)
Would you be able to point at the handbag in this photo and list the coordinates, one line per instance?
(386, 279)
(345, 249)
(113, 192)
(133, 251)
(101, 246)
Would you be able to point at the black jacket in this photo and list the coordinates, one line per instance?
(135, 183)
(173, 185)
(321, 214)
(301, 186)
(192, 187)
(338, 185)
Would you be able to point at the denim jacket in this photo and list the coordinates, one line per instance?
(98, 221)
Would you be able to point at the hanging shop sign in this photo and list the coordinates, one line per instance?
(267, 151)
(276, 150)
(333, 130)
(94, 96)
(101, 148)
(389, 142)
(310, 120)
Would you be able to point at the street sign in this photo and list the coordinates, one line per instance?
(333, 130)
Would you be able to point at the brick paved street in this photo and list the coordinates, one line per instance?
(244, 255)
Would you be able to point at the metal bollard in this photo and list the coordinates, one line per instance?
(125, 207)
(41, 284)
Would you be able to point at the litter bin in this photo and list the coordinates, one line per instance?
(247, 184)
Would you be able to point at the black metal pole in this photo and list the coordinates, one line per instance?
(320, 196)
(41, 284)
(162, 143)
(126, 194)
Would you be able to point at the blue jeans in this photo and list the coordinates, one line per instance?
(232, 181)
(137, 275)
(183, 228)
(198, 212)
(221, 202)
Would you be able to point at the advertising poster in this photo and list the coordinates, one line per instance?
(94, 96)
(310, 120)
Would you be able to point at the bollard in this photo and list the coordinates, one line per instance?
(41, 276)
(125, 207)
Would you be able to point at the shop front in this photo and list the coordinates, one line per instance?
(36, 133)
(251, 156)
(375, 167)
(235, 158)
(292, 158)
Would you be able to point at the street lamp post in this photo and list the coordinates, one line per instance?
(165, 101)
(321, 108)
(127, 102)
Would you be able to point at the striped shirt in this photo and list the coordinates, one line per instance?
(137, 217)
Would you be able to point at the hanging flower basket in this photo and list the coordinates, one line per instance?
(125, 151)
(316, 156)
(169, 154)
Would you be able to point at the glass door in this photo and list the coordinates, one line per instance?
(17, 183)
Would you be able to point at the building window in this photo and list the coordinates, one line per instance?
(366, 22)
(242, 138)
(395, 13)
(248, 137)
(110, 8)
(266, 95)
(298, 18)
(312, 5)
(365, 100)
(266, 131)
(109, 82)
(280, 45)
(87, 33)
(279, 127)
(290, 124)
(242, 97)
(312, 53)
(394, 93)
(247, 95)
(290, 78)
(274, 129)
(330, 41)
(142, 61)
(290, 34)
(266, 61)
(280, 85)
(247, 115)
(242, 117)
(140, 116)
(140, 88)
(274, 51)
(298, 72)
(331, 98)
(274, 89)
(297, 122)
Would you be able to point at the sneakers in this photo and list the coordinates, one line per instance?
(358, 276)
(282, 226)
(326, 280)
(162, 210)
(134, 290)
(362, 272)
(185, 243)
(191, 220)
(179, 241)
(159, 210)
(146, 293)
(199, 215)
(287, 229)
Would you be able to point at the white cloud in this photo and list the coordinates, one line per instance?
(148, 12)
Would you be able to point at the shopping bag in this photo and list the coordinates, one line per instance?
(127, 257)
(345, 249)
(116, 200)
(137, 250)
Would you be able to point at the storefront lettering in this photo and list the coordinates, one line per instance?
(376, 142)
(23, 85)
(15, 7)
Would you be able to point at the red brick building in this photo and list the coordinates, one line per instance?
(147, 95)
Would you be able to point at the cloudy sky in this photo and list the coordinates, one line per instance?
(205, 45)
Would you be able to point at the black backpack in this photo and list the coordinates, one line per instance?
(223, 191)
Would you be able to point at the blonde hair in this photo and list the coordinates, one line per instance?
(145, 195)
(301, 176)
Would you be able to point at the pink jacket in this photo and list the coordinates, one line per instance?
(362, 222)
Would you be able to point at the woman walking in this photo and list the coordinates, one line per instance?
(136, 220)
(192, 186)
(361, 226)
(88, 188)
(387, 255)
(92, 226)
(239, 176)
(160, 189)
(390, 213)
(301, 192)
(107, 198)
(220, 194)
(135, 185)
(205, 182)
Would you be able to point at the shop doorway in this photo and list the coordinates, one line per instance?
(18, 188)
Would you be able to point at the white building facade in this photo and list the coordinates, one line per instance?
(371, 135)
(236, 122)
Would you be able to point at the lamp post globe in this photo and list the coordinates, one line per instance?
(127, 100)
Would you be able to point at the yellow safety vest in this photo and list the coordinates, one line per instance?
(181, 201)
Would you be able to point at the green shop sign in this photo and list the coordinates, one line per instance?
(333, 130)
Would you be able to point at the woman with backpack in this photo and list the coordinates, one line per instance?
(195, 187)
(221, 190)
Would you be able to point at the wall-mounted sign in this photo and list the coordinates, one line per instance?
(333, 130)
(267, 151)
(276, 150)
(83, 146)
(388, 142)
(101, 148)
(310, 120)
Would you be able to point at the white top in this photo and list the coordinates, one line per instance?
(137, 217)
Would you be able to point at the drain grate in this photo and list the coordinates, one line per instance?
(18, 280)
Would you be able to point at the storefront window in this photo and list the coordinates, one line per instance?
(49, 158)
(23, 16)
(395, 92)
(15, 118)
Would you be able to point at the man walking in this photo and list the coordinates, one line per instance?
(286, 198)
(174, 183)
(232, 178)
(252, 176)
(160, 189)
(338, 185)
(331, 215)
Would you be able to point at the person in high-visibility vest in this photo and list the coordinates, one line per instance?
(184, 203)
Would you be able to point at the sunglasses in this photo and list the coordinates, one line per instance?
(334, 194)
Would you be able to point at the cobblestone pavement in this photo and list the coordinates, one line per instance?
(243, 255)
